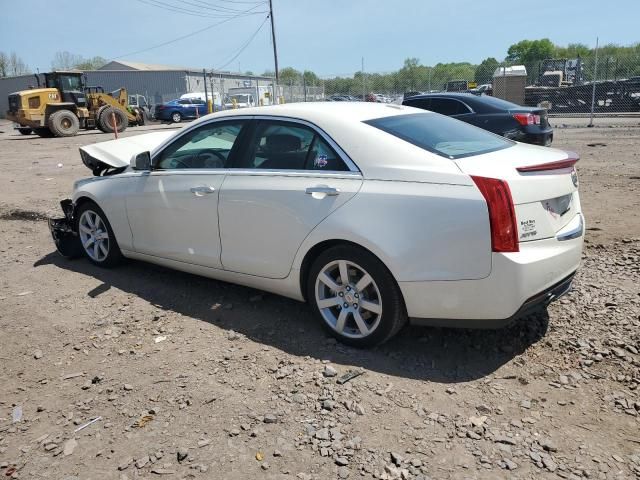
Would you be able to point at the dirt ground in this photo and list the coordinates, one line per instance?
(192, 378)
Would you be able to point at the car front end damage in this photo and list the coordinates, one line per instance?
(64, 232)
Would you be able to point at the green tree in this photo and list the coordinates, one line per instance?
(530, 51)
(484, 71)
(290, 76)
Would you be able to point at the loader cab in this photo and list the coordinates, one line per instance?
(70, 86)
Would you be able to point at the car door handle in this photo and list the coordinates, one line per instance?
(328, 191)
(203, 190)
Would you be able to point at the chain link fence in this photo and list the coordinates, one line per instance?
(603, 85)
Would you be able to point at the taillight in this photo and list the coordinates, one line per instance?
(502, 215)
(525, 119)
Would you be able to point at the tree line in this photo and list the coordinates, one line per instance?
(618, 62)
(11, 65)
(615, 62)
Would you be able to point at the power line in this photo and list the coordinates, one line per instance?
(187, 11)
(217, 8)
(168, 42)
(245, 45)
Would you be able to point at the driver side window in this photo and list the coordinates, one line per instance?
(208, 146)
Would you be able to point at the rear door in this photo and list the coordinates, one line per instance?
(289, 178)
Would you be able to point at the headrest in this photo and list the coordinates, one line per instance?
(281, 143)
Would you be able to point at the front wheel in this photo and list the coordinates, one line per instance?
(96, 236)
(355, 296)
(64, 123)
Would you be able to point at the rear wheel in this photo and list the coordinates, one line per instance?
(176, 117)
(355, 296)
(98, 116)
(25, 130)
(96, 236)
(106, 120)
(64, 123)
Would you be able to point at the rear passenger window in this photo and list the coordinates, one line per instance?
(323, 157)
(444, 106)
(290, 146)
(423, 103)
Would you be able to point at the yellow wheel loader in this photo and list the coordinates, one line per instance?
(63, 105)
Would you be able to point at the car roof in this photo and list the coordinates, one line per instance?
(321, 112)
(479, 103)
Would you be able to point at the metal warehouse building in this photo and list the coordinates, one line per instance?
(159, 83)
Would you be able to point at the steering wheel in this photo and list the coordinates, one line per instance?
(205, 157)
(178, 163)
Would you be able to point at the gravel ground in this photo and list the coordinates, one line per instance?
(192, 378)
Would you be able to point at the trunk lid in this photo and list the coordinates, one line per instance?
(118, 153)
(545, 197)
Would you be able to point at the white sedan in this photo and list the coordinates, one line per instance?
(372, 213)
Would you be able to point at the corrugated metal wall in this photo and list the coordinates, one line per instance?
(10, 85)
(158, 86)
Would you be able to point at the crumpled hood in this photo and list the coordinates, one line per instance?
(118, 153)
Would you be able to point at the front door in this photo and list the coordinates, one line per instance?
(173, 209)
(288, 179)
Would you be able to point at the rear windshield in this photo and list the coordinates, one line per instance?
(442, 135)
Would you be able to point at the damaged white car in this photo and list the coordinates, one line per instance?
(374, 214)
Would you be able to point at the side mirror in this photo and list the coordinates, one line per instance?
(141, 161)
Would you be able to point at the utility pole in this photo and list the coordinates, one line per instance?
(273, 40)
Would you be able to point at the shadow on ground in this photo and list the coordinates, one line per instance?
(431, 354)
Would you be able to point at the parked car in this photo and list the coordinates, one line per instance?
(523, 124)
(374, 214)
(181, 109)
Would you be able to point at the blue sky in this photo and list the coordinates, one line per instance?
(326, 36)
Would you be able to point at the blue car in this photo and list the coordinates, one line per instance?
(181, 109)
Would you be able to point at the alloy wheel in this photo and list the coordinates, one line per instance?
(94, 236)
(348, 299)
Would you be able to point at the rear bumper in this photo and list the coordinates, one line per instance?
(542, 137)
(535, 276)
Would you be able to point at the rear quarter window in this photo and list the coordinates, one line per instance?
(441, 135)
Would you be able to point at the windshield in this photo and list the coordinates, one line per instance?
(70, 83)
(442, 135)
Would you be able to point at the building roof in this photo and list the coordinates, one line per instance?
(124, 65)
(121, 65)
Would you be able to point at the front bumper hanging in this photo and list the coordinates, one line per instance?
(64, 232)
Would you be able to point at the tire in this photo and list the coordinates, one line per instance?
(98, 116)
(176, 117)
(88, 213)
(385, 313)
(63, 123)
(106, 120)
(44, 132)
(25, 130)
(140, 115)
